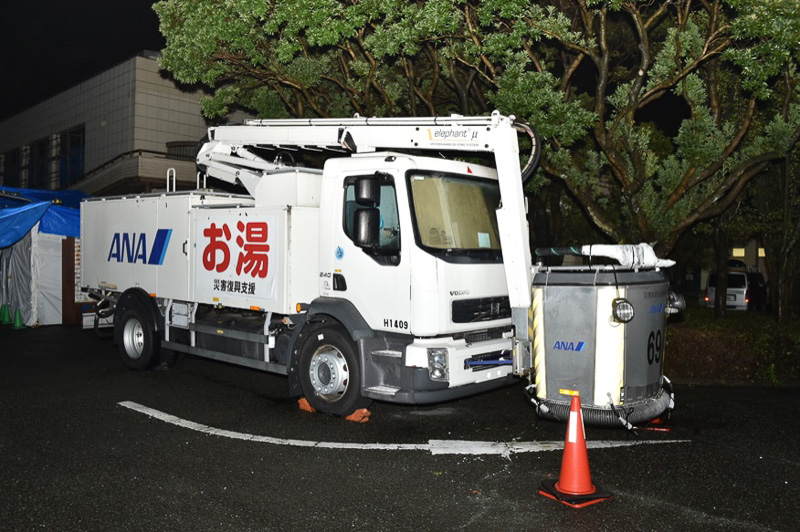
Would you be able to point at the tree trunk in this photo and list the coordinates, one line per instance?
(721, 246)
(782, 298)
(539, 222)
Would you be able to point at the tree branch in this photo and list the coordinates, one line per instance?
(727, 192)
(593, 211)
(476, 40)
(644, 62)
(691, 178)
(658, 90)
(731, 147)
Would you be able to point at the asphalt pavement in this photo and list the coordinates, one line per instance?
(86, 444)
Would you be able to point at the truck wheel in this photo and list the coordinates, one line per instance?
(139, 344)
(330, 374)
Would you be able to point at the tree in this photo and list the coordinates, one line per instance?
(656, 114)
(777, 200)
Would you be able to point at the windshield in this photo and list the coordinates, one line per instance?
(456, 214)
(735, 280)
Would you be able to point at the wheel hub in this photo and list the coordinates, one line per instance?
(329, 373)
(133, 338)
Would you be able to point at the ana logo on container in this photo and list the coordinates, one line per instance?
(132, 247)
(562, 345)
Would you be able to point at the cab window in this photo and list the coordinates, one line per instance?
(388, 247)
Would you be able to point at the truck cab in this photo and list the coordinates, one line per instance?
(420, 260)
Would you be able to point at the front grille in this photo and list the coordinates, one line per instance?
(483, 336)
(482, 309)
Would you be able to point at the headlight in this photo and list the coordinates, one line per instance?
(622, 309)
(437, 364)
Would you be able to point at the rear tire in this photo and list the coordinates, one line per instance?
(330, 373)
(139, 342)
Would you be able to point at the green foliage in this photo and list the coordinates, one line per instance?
(263, 101)
(535, 95)
(680, 48)
(648, 128)
(700, 141)
(769, 34)
(778, 132)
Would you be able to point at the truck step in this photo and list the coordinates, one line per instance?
(383, 390)
(388, 353)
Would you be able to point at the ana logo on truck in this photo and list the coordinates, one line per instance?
(132, 247)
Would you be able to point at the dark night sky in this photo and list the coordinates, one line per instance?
(48, 46)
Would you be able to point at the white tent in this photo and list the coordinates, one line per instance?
(31, 278)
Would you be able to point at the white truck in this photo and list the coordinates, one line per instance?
(380, 275)
(377, 273)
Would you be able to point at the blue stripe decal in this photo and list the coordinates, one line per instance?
(160, 246)
(580, 345)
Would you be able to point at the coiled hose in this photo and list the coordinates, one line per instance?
(625, 416)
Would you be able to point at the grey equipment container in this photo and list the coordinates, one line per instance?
(598, 332)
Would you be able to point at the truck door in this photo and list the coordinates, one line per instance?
(374, 278)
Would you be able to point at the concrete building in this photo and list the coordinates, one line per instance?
(115, 133)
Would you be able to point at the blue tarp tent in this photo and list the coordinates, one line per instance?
(58, 213)
(30, 254)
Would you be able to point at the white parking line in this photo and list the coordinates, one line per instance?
(433, 446)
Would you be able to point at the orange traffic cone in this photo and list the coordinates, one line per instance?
(574, 486)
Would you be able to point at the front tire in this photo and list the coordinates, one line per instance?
(330, 374)
(139, 344)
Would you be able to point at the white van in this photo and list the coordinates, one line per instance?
(746, 290)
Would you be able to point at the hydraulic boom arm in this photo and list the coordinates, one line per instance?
(226, 157)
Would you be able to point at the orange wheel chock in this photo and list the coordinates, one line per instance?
(359, 416)
(304, 406)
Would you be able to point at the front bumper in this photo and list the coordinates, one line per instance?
(400, 373)
(418, 389)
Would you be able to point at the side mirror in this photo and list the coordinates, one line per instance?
(367, 224)
(368, 191)
(676, 303)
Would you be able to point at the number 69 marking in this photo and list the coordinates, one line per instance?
(654, 347)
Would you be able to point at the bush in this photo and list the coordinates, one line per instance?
(741, 348)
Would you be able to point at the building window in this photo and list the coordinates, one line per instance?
(738, 253)
(12, 168)
(37, 165)
(71, 156)
(182, 149)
